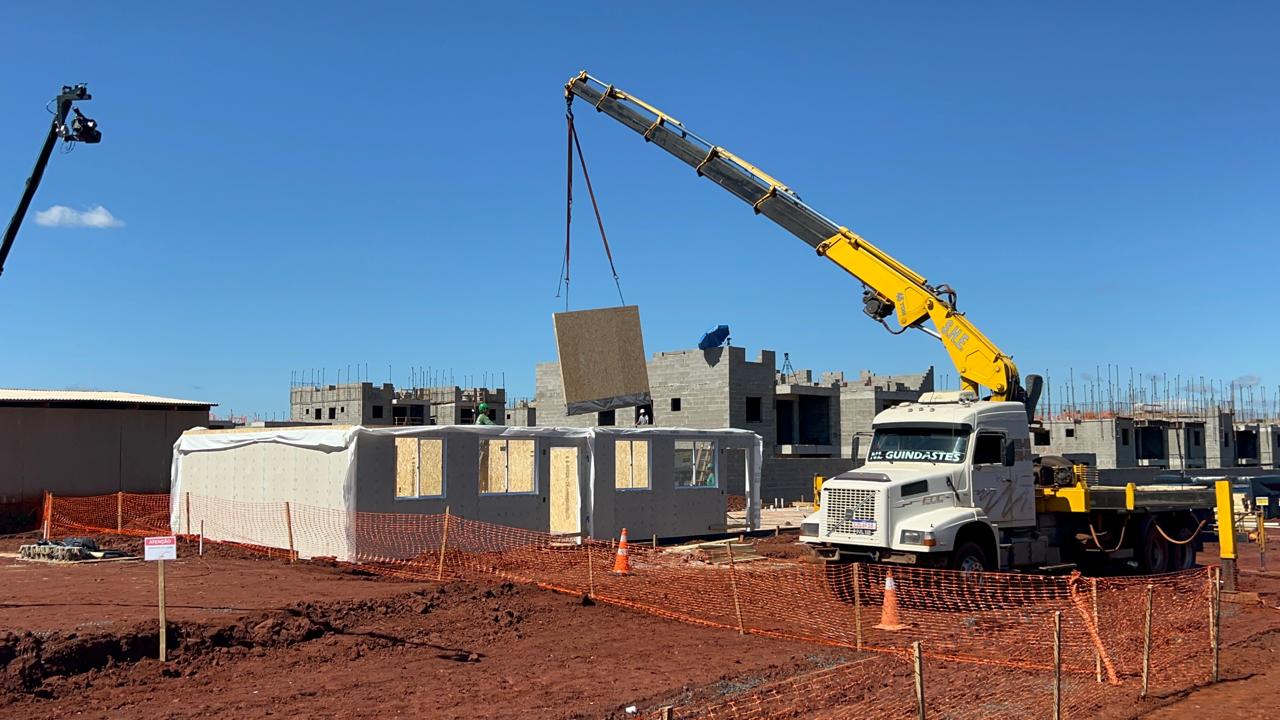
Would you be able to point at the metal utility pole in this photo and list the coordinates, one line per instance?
(82, 129)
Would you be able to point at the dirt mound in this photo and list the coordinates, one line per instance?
(456, 619)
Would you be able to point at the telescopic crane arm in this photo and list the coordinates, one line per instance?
(891, 288)
(81, 129)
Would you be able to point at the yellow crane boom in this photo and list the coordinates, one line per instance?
(890, 288)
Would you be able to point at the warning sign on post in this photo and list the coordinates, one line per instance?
(160, 548)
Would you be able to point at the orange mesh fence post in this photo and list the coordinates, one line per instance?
(186, 511)
(444, 543)
(591, 570)
(1146, 642)
(1097, 657)
(46, 513)
(1215, 619)
(288, 524)
(918, 673)
(119, 511)
(1057, 665)
(1091, 627)
(733, 583)
(857, 606)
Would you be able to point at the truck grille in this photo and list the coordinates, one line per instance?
(851, 511)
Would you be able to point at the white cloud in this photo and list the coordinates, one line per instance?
(63, 216)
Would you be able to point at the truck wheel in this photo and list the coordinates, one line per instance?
(969, 557)
(1182, 557)
(1153, 551)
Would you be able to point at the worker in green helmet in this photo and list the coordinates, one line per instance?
(482, 415)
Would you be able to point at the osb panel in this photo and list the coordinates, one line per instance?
(564, 489)
(520, 465)
(622, 465)
(639, 463)
(493, 466)
(431, 467)
(601, 353)
(406, 467)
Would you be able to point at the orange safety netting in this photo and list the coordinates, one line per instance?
(987, 639)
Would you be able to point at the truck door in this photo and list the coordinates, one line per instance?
(993, 489)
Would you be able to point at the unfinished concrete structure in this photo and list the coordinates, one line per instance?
(808, 427)
(669, 482)
(87, 442)
(368, 404)
(1169, 441)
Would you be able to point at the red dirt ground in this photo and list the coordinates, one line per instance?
(252, 637)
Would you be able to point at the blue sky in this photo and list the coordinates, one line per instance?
(308, 185)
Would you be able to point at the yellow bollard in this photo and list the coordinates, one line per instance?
(1226, 534)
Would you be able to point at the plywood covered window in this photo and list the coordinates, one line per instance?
(631, 465)
(419, 467)
(695, 464)
(507, 466)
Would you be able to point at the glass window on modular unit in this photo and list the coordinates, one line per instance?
(695, 464)
(631, 465)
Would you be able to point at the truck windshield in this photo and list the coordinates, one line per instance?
(920, 444)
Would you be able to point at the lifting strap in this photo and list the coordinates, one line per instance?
(572, 144)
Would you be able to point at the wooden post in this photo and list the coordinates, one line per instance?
(1262, 540)
(733, 582)
(1057, 665)
(202, 538)
(1097, 657)
(164, 631)
(857, 603)
(919, 676)
(187, 514)
(591, 571)
(655, 541)
(444, 543)
(48, 513)
(119, 511)
(288, 525)
(1146, 643)
(1215, 619)
(667, 712)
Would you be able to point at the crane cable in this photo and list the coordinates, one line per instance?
(572, 144)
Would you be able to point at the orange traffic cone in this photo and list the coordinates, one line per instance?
(889, 619)
(622, 563)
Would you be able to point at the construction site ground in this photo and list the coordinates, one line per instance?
(252, 637)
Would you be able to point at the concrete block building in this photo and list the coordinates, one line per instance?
(1169, 442)
(373, 405)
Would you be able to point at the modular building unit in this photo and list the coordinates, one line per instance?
(668, 482)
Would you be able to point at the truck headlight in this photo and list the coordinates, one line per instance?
(918, 537)
(810, 529)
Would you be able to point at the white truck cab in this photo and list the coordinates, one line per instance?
(948, 481)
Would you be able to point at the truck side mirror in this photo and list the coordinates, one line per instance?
(1009, 453)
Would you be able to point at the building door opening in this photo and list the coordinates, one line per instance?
(566, 506)
(733, 471)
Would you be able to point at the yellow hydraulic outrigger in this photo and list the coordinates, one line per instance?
(891, 288)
